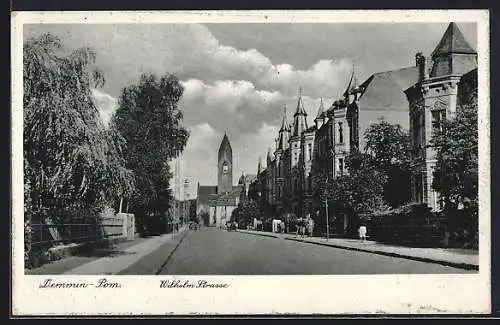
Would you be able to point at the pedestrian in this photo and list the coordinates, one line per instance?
(311, 227)
(302, 227)
(362, 232)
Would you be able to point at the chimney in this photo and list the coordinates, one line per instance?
(420, 62)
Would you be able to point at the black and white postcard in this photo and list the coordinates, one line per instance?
(260, 162)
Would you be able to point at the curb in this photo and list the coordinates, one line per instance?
(257, 234)
(465, 266)
(183, 235)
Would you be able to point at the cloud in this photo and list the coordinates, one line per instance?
(191, 51)
(239, 80)
(106, 104)
(325, 78)
(199, 159)
(251, 147)
(230, 104)
(198, 162)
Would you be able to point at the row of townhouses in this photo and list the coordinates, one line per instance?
(416, 97)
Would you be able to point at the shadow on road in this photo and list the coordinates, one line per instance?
(107, 252)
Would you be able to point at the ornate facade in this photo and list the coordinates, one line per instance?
(434, 98)
(416, 97)
(303, 152)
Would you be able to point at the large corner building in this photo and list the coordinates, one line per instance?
(416, 97)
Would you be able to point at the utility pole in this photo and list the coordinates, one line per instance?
(177, 195)
(186, 186)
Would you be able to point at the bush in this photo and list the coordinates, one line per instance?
(409, 224)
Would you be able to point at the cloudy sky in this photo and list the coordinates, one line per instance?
(238, 77)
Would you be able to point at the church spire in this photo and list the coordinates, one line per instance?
(353, 83)
(259, 166)
(300, 105)
(225, 145)
(321, 110)
(299, 118)
(284, 123)
(320, 116)
(284, 134)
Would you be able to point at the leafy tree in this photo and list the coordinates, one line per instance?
(358, 193)
(389, 145)
(456, 170)
(149, 119)
(71, 160)
(192, 211)
(364, 187)
(245, 211)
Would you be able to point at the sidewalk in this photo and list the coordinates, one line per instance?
(460, 258)
(109, 261)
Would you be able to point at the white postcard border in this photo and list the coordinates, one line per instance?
(333, 294)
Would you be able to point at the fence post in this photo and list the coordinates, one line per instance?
(124, 224)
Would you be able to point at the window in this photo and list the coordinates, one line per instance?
(419, 189)
(437, 118)
(341, 166)
(310, 182)
(309, 151)
(418, 133)
(341, 133)
(415, 131)
(296, 185)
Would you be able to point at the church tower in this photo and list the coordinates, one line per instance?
(225, 167)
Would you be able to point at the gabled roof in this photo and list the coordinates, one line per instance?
(204, 193)
(246, 179)
(227, 199)
(453, 41)
(385, 90)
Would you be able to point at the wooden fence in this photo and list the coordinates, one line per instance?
(46, 234)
